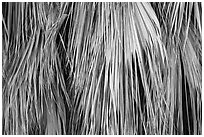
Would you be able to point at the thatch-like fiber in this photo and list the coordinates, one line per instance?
(102, 68)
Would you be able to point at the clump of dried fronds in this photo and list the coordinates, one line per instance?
(102, 68)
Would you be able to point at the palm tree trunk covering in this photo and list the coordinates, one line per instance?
(101, 68)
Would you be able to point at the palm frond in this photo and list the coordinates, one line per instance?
(102, 68)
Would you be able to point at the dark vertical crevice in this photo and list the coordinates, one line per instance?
(186, 104)
(142, 101)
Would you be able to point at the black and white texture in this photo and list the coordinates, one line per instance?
(101, 68)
